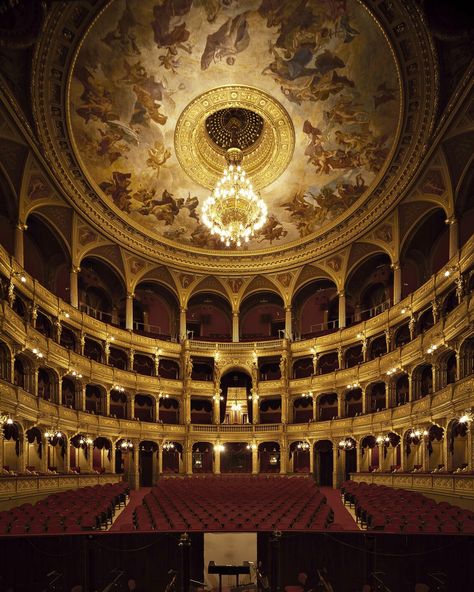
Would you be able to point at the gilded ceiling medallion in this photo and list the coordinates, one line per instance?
(198, 138)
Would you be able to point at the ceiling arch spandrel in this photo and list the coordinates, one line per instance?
(283, 77)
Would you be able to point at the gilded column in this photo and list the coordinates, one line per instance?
(342, 309)
(73, 286)
(19, 251)
(182, 323)
(311, 458)
(255, 460)
(397, 282)
(283, 457)
(288, 322)
(217, 461)
(235, 327)
(340, 403)
(129, 311)
(160, 460)
(453, 224)
(335, 465)
(107, 402)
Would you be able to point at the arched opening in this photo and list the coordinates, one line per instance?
(47, 384)
(68, 393)
(209, 317)
(369, 454)
(168, 368)
(328, 363)
(118, 404)
(102, 291)
(57, 453)
(237, 458)
(303, 368)
(102, 461)
(402, 390)
(448, 369)
(458, 445)
(148, 463)
(172, 457)
(68, 338)
(203, 369)
(34, 452)
(95, 397)
(450, 302)
(402, 335)
(20, 367)
(93, 350)
(8, 214)
(201, 410)
(144, 407)
(299, 457)
(262, 316)
(269, 368)
(12, 447)
(47, 257)
(22, 307)
(236, 386)
(425, 251)
(391, 453)
(270, 410)
(5, 362)
(377, 347)
(269, 457)
(327, 406)
(312, 309)
(44, 324)
(347, 447)
(434, 448)
(376, 397)
(353, 402)
(156, 311)
(425, 321)
(143, 365)
(466, 357)
(422, 381)
(203, 457)
(323, 462)
(353, 356)
(302, 409)
(79, 453)
(169, 410)
(118, 358)
(413, 444)
(369, 288)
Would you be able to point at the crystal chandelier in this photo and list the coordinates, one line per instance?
(233, 211)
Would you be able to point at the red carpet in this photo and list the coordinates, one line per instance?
(126, 517)
(341, 514)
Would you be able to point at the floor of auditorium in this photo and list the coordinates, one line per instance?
(342, 514)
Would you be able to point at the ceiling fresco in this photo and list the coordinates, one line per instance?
(326, 63)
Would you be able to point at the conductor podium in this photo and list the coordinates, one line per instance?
(229, 570)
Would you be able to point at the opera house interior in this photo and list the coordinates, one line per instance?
(236, 295)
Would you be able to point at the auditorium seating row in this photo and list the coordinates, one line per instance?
(72, 511)
(378, 507)
(244, 503)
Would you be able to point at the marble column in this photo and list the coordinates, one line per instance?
(288, 322)
(397, 283)
(182, 323)
(255, 461)
(217, 462)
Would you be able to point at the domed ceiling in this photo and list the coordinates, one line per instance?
(320, 73)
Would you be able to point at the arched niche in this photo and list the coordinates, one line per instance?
(237, 458)
(369, 454)
(391, 453)
(424, 251)
(209, 317)
(172, 458)
(402, 335)
(328, 363)
(34, 451)
(369, 288)
(353, 402)
(303, 367)
(68, 392)
(327, 407)
(93, 349)
(203, 457)
(203, 369)
(376, 396)
(458, 445)
(323, 462)
(466, 357)
(312, 309)
(144, 407)
(47, 384)
(169, 410)
(68, 338)
(422, 381)
(118, 358)
(201, 410)
(12, 447)
(5, 362)
(95, 398)
(168, 368)
(102, 457)
(434, 448)
(377, 347)
(353, 356)
(143, 364)
(302, 409)
(299, 461)
(148, 463)
(155, 310)
(118, 404)
(270, 410)
(262, 316)
(47, 257)
(102, 292)
(234, 381)
(402, 390)
(269, 457)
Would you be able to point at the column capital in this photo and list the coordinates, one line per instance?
(21, 226)
(341, 293)
(395, 265)
(130, 295)
(451, 220)
(75, 269)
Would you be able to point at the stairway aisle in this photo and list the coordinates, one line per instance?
(342, 515)
(126, 516)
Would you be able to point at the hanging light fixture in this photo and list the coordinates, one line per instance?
(303, 445)
(234, 211)
(167, 446)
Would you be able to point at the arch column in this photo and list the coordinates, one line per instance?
(134, 466)
(453, 225)
(288, 322)
(311, 458)
(73, 286)
(410, 386)
(217, 462)
(342, 309)
(255, 461)
(107, 402)
(340, 404)
(182, 323)
(283, 458)
(19, 248)
(130, 405)
(255, 408)
(235, 327)
(159, 463)
(129, 311)
(335, 465)
(315, 408)
(216, 407)
(397, 282)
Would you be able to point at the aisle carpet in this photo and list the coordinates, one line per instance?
(126, 516)
(341, 515)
